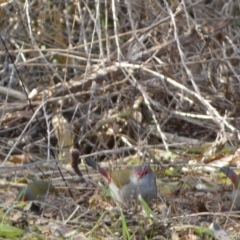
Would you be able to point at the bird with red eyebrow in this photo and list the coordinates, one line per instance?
(36, 191)
(127, 184)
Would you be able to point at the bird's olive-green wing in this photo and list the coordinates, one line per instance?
(121, 177)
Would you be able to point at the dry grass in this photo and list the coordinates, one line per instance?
(126, 81)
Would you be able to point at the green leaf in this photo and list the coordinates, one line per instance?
(9, 231)
(145, 207)
(126, 234)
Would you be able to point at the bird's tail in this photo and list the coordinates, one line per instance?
(231, 175)
(95, 166)
(91, 163)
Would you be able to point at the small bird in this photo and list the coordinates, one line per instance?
(235, 178)
(36, 190)
(127, 184)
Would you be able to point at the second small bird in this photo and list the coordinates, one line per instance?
(127, 184)
(36, 190)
